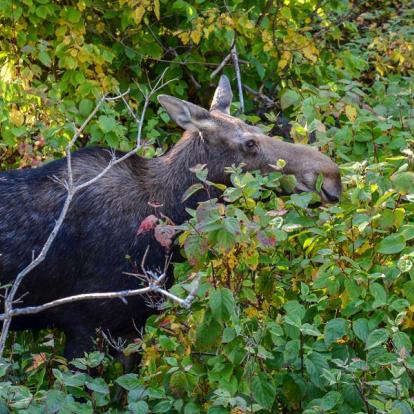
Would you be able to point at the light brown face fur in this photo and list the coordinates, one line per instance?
(229, 141)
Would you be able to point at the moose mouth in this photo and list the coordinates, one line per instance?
(331, 198)
(326, 196)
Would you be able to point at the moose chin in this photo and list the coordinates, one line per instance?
(98, 242)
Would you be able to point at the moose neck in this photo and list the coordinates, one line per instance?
(170, 176)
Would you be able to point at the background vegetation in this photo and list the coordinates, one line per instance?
(300, 310)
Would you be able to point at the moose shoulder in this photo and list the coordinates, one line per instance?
(98, 241)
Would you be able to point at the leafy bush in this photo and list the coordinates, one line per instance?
(300, 309)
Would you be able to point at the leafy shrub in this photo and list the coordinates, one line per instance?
(300, 309)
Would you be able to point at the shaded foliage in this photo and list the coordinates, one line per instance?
(300, 309)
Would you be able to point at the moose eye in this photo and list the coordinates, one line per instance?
(250, 144)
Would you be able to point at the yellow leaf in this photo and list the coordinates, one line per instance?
(399, 214)
(361, 250)
(184, 37)
(100, 27)
(285, 59)
(196, 36)
(138, 14)
(16, 117)
(350, 112)
(157, 9)
(310, 52)
(251, 312)
(83, 56)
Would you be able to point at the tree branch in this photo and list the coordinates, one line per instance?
(235, 58)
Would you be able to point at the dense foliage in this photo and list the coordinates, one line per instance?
(300, 309)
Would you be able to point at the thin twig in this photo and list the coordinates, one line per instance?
(238, 76)
(221, 66)
(270, 103)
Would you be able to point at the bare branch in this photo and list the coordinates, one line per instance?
(220, 66)
(235, 58)
(270, 103)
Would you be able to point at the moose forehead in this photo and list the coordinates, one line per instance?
(231, 126)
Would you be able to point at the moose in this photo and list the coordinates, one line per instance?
(98, 241)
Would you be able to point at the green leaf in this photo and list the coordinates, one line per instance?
(228, 335)
(162, 407)
(405, 264)
(263, 390)
(222, 304)
(308, 329)
(45, 58)
(408, 291)
(402, 340)
(391, 244)
(85, 107)
(208, 334)
(289, 98)
(98, 385)
(191, 408)
(375, 338)
(128, 381)
(334, 330)
(319, 183)
(404, 182)
(73, 15)
(288, 183)
(361, 329)
(217, 410)
(138, 407)
(301, 200)
(107, 123)
(379, 294)
(191, 190)
(330, 400)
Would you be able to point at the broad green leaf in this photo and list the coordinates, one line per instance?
(330, 400)
(402, 341)
(334, 330)
(375, 338)
(98, 385)
(85, 107)
(128, 381)
(404, 182)
(162, 407)
(391, 244)
(379, 294)
(138, 407)
(222, 304)
(107, 123)
(263, 390)
(45, 58)
(192, 190)
(289, 98)
(361, 329)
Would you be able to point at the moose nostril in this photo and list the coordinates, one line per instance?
(332, 198)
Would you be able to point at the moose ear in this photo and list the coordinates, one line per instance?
(185, 114)
(223, 96)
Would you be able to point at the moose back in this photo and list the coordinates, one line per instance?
(98, 241)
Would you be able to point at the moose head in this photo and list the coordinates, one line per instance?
(219, 140)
